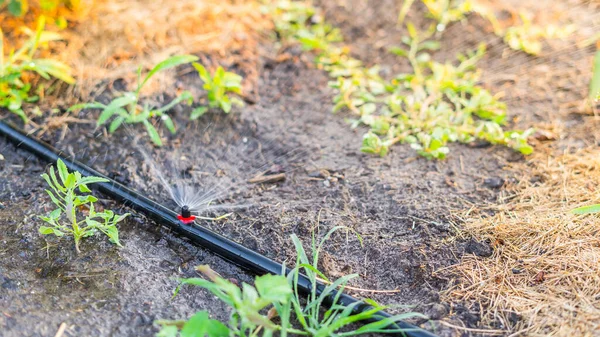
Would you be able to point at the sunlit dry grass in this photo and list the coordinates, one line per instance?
(545, 268)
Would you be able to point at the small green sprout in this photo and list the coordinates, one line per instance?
(14, 68)
(218, 87)
(127, 108)
(68, 219)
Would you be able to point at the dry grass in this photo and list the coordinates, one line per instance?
(118, 36)
(545, 266)
(109, 40)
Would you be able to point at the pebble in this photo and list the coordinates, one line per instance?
(493, 182)
(436, 311)
(480, 249)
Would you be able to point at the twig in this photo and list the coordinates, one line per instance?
(261, 179)
(61, 329)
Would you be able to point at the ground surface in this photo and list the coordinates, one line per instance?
(400, 205)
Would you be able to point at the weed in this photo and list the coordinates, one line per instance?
(528, 37)
(525, 36)
(15, 90)
(127, 108)
(65, 220)
(281, 295)
(435, 104)
(218, 86)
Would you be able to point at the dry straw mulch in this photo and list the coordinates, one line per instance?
(543, 278)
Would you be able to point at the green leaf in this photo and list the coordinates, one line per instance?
(44, 230)
(200, 325)
(92, 180)
(202, 72)
(55, 214)
(273, 288)
(225, 104)
(55, 184)
(399, 51)
(114, 106)
(113, 234)
(15, 8)
(55, 68)
(153, 133)
(171, 62)
(587, 209)
(114, 125)
(62, 171)
(168, 331)
(83, 188)
(232, 82)
(198, 112)
(168, 123)
(70, 181)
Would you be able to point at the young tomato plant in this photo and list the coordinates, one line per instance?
(281, 295)
(218, 87)
(16, 65)
(68, 219)
(127, 108)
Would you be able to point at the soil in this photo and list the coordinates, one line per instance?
(400, 205)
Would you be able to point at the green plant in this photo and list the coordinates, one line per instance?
(433, 105)
(127, 108)
(281, 295)
(528, 37)
(442, 11)
(68, 218)
(15, 68)
(218, 87)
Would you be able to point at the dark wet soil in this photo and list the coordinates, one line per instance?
(400, 205)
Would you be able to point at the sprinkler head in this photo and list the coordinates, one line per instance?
(186, 215)
(185, 212)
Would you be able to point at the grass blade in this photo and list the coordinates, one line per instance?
(171, 62)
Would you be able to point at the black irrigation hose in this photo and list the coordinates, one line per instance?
(217, 244)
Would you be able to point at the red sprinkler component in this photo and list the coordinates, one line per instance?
(186, 215)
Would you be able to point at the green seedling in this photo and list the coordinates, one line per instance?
(433, 105)
(310, 311)
(127, 108)
(280, 295)
(218, 87)
(69, 195)
(17, 65)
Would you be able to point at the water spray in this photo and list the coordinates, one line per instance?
(202, 237)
